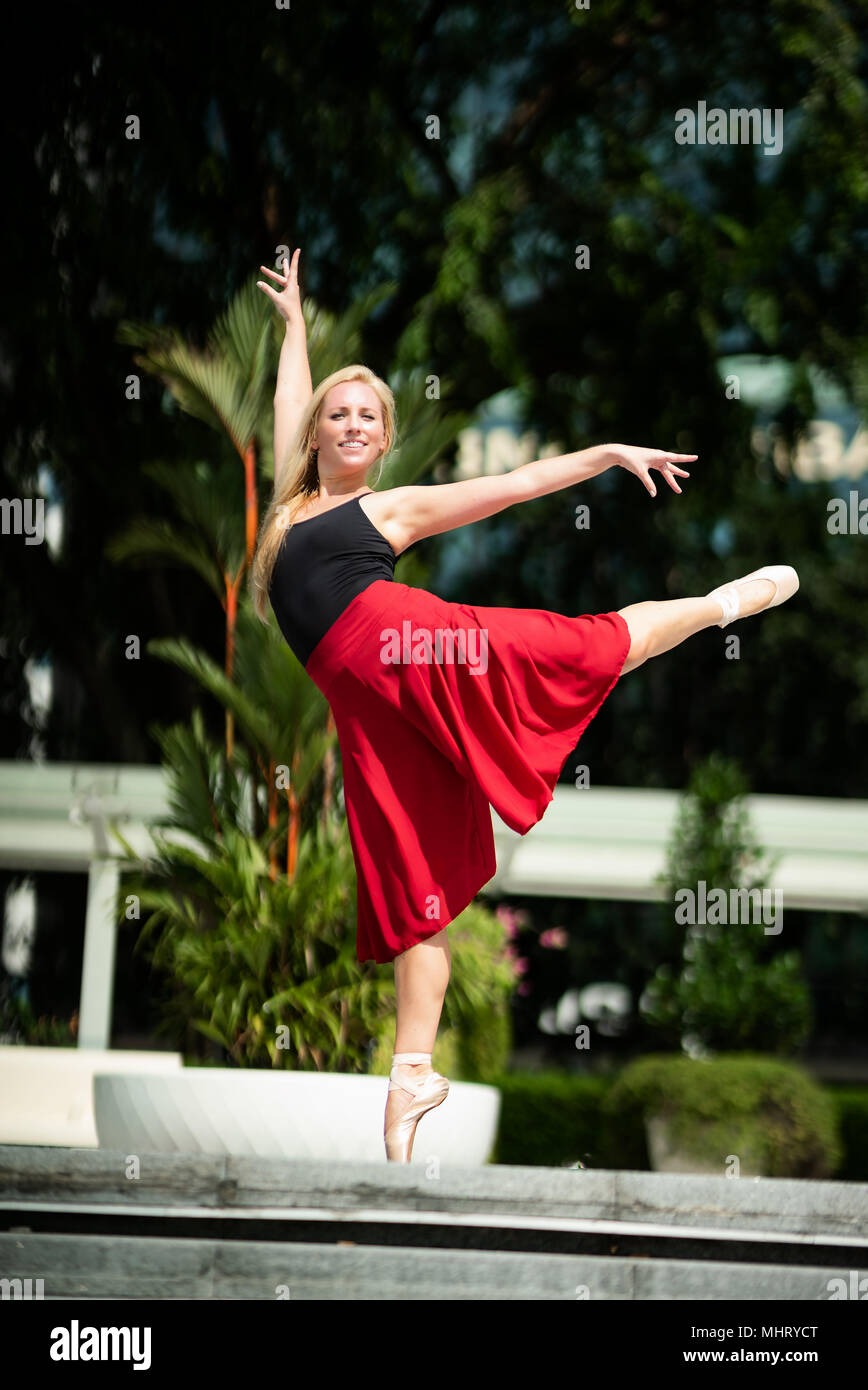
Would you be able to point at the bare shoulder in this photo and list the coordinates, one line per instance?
(409, 514)
(392, 512)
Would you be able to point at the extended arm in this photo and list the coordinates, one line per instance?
(291, 394)
(294, 387)
(428, 511)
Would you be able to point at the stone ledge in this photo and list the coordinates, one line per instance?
(798, 1206)
(95, 1267)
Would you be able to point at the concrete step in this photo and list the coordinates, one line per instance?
(97, 1224)
(99, 1267)
(773, 1205)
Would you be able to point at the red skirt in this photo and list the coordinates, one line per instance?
(442, 711)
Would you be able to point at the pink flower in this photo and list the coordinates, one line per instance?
(510, 919)
(525, 987)
(555, 937)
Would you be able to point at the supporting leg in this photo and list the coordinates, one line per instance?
(421, 977)
(658, 627)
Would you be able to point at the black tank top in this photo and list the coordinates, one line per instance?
(322, 564)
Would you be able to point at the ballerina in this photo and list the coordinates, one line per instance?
(430, 742)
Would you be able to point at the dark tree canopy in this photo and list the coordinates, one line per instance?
(555, 129)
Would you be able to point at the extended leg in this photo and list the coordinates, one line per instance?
(658, 627)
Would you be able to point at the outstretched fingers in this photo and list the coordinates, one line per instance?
(281, 280)
(287, 297)
(668, 468)
(640, 461)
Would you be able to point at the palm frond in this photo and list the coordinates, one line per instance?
(209, 388)
(159, 540)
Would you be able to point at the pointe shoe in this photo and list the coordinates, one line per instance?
(783, 577)
(429, 1092)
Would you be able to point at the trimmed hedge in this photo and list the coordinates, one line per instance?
(555, 1119)
(852, 1106)
(550, 1119)
(746, 1104)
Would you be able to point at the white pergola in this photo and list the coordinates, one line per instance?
(608, 842)
(594, 842)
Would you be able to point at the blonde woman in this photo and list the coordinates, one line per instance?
(442, 709)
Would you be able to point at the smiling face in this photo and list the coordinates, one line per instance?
(350, 434)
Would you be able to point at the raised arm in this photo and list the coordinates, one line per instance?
(427, 511)
(294, 387)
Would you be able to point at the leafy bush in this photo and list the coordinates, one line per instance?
(260, 965)
(732, 1105)
(724, 996)
(550, 1119)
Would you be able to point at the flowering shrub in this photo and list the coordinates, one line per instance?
(513, 921)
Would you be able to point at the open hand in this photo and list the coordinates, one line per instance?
(639, 461)
(287, 301)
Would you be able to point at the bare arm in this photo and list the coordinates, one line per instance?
(294, 387)
(428, 511)
(292, 393)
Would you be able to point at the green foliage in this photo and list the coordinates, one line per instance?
(263, 967)
(739, 1104)
(208, 535)
(477, 1004)
(725, 996)
(276, 706)
(711, 837)
(851, 1103)
(695, 252)
(727, 1000)
(551, 1119)
(226, 386)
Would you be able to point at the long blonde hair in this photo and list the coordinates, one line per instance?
(300, 477)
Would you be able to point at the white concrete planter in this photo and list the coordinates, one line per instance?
(224, 1110)
(46, 1093)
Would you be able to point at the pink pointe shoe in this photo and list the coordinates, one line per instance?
(429, 1092)
(783, 577)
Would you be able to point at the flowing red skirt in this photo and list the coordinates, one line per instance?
(430, 741)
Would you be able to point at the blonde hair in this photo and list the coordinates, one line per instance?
(300, 477)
